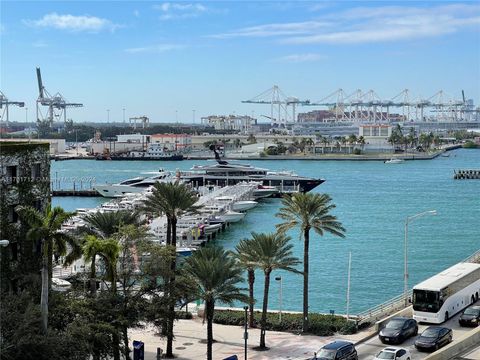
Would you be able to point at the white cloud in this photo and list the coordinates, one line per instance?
(173, 11)
(73, 23)
(300, 58)
(159, 48)
(40, 44)
(369, 25)
(267, 30)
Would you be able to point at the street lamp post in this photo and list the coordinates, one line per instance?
(108, 115)
(405, 273)
(3, 243)
(245, 334)
(279, 278)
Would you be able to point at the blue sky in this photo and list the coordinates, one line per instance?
(166, 58)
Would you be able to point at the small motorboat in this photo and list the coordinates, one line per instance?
(231, 216)
(264, 191)
(394, 161)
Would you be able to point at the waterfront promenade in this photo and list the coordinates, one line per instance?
(190, 336)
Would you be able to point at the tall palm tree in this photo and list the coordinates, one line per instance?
(248, 260)
(308, 211)
(217, 275)
(44, 227)
(106, 224)
(91, 247)
(172, 200)
(272, 252)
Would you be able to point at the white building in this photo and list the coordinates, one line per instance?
(173, 142)
(376, 137)
(230, 122)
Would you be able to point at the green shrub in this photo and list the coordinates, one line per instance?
(357, 151)
(322, 325)
(470, 145)
(184, 315)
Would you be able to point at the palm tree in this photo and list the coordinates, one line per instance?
(91, 247)
(308, 211)
(106, 224)
(248, 260)
(217, 275)
(272, 252)
(172, 200)
(44, 227)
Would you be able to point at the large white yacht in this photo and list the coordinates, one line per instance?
(134, 185)
(270, 182)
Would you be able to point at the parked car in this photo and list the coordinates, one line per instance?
(470, 317)
(433, 338)
(397, 330)
(393, 353)
(337, 350)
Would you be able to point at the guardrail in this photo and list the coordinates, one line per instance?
(388, 307)
(474, 258)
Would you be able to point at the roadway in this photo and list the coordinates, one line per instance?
(370, 348)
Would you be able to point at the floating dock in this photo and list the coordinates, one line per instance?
(466, 174)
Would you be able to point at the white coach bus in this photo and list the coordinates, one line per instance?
(438, 298)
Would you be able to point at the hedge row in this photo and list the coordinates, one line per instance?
(322, 325)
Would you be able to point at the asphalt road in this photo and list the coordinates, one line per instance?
(370, 348)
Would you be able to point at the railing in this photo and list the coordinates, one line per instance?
(474, 258)
(387, 308)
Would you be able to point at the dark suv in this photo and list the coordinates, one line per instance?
(397, 330)
(337, 350)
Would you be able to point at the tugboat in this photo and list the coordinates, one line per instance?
(154, 152)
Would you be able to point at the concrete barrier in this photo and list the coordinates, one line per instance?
(407, 312)
(465, 342)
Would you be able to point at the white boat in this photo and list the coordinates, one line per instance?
(237, 205)
(231, 216)
(223, 173)
(244, 205)
(394, 161)
(264, 191)
(134, 185)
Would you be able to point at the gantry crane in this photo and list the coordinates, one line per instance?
(279, 103)
(57, 105)
(144, 120)
(4, 103)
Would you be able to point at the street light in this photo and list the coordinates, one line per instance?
(245, 334)
(405, 273)
(279, 278)
(3, 243)
(108, 115)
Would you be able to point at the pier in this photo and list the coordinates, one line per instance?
(466, 174)
(73, 192)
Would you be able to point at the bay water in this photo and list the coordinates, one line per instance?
(372, 201)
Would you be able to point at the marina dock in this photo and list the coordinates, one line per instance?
(466, 174)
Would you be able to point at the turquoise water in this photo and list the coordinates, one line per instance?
(372, 201)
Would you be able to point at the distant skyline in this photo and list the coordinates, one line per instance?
(166, 59)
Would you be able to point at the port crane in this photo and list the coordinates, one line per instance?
(57, 104)
(4, 104)
(279, 104)
(144, 120)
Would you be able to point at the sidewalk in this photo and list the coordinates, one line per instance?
(191, 334)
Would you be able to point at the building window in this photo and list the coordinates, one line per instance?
(36, 171)
(12, 214)
(12, 174)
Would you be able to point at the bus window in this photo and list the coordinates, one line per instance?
(426, 301)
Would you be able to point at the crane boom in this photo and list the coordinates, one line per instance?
(40, 85)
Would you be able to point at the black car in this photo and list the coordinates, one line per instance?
(337, 350)
(433, 338)
(397, 330)
(470, 317)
